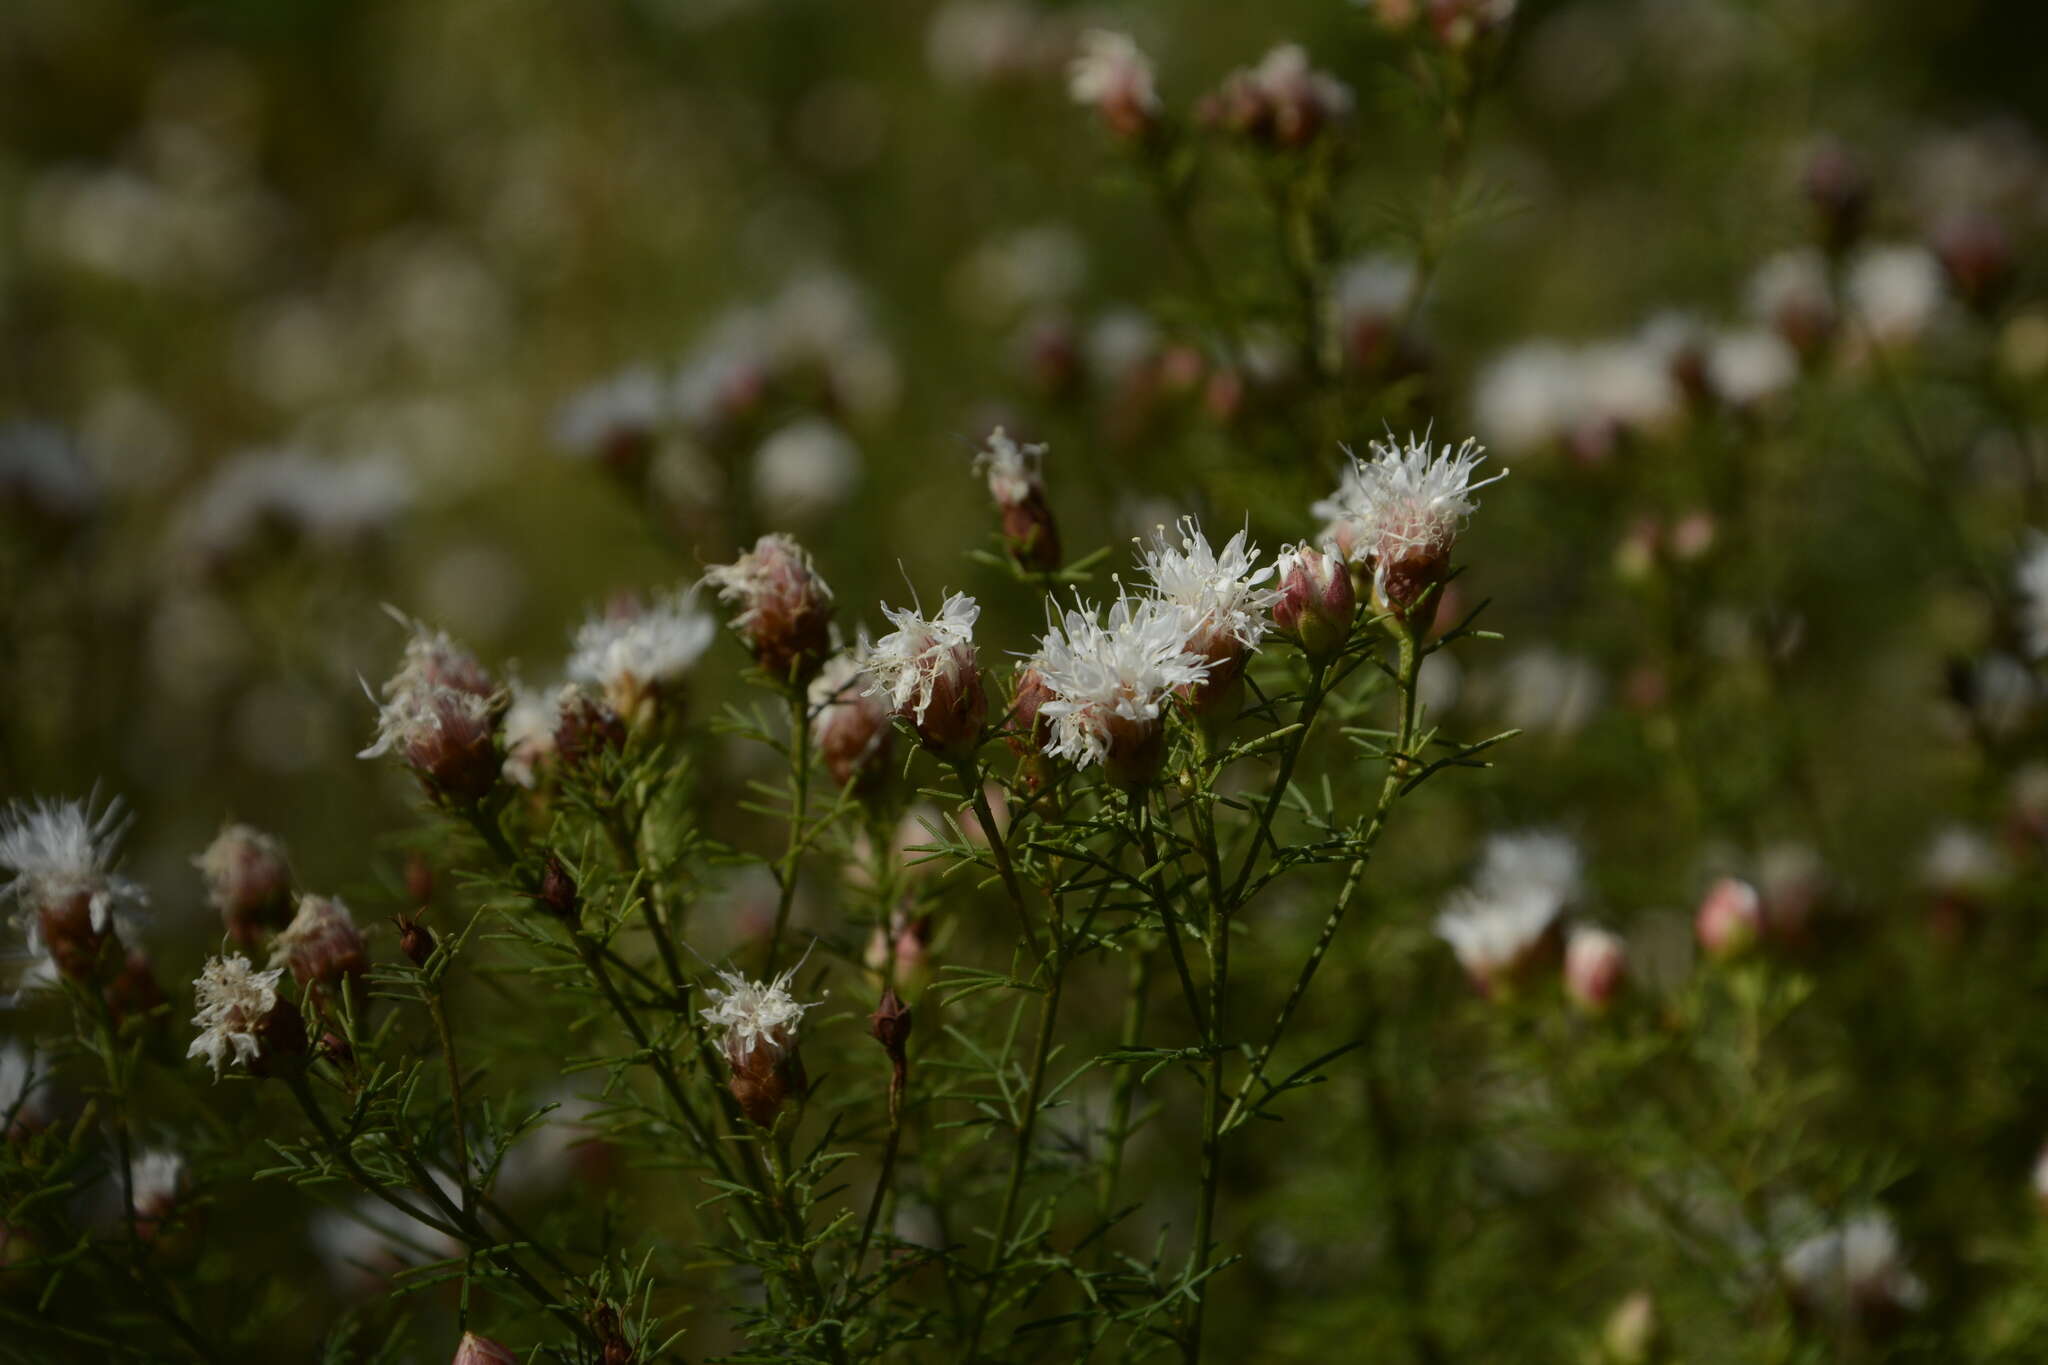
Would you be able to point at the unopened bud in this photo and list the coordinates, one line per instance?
(785, 612)
(558, 892)
(1977, 254)
(248, 880)
(415, 940)
(1595, 965)
(1730, 918)
(850, 725)
(890, 1024)
(1838, 187)
(476, 1350)
(1016, 481)
(1317, 602)
(322, 945)
(1029, 731)
(586, 726)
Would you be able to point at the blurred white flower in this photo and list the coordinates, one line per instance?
(805, 470)
(1746, 369)
(62, 856)
(1896, 290)
(614, 421)
(1958, 859)
(635, 657)
(1854, 1269)
(2030, 577)
(1496, 924)
(1790, 293)
(1113, 75)
(1528, 399)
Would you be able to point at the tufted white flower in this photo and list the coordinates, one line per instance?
(1405, 505)
(1111, 72)
(914, 660)
(1745, 368)
(233, 999)
(1523, 884)
(58, 850)
(1013, 469)
(156, 1179)
(1854, 1267)
(1223, 594)
(632, 657)
(755, 1012)
(1896, 289)
(1110, 678)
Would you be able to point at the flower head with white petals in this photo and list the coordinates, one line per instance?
(1523, 884)
(1402, 510)
(1013, 468)
(59, 850)
(634, 657)
(233, 1000)
(755, 1012)
(1112, 73)
(1111, 677)
(1223, 594)
(921, 656)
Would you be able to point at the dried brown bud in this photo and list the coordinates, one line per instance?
(558, 892)
(249, 880)
(605, 1322)
(415, 940)
(890, 1024)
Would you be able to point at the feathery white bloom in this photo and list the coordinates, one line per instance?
(1896, 290)
(628, 656)
(598, 421)
(438, 712)
(913, 660)
(1407, 503)
(1285, 77)
(1012, 468)
(233, 999)
(2030, 575)
(755, 1012)
(1110, 678)
(1110, 70)
(1855, 1266)
(1745, 368)
(805, 469)
(1223, 594)
(1529, 399)
(58, 850)
(1524, 882)
(528, 729)
(156, 1179)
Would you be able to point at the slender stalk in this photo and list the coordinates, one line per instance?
(1119, 1131)
(1020, 1158)
(1212, 1112)
(800, 786)
(883, 1178)
(438, 1008)
(969, 772)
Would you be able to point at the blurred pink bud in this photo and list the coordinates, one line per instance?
(1838, 186)
(1595, 965)
(1730, 918)
(249, 881)
(476, 1350)
(1978, 256)
(785, 611)
(322, 945)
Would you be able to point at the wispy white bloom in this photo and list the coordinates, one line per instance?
(805, 469)
(1896, 290)
(1111, 678)
(785, 606)
(924, 660)
(528, 729)
(1528, 399)
(1112, 74)
(439, 713)
(614, 421)
(1496, 924)
(66, 894)
(1223, 594)
(157, 1178)
(1402, 510)
(754, 1013)
(635, 658)
(233, 1000)
(1746, 368)
(1855, 1268)
(1013, 468)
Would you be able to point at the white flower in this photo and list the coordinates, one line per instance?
(631, 657)
(1628, 386)
(2030, 575)
(1856, 1266)
(805, 469)
(1110, 678)
(1523, 884)
(920, 656)
(1012, 469)
(156, 1178)
(1372, 289)
(233, 1000)
(1223, 595)
(59, 850)
(1958, 858)
(1791, 293)
(330, 502)
(438, 713)
(1529, 398)
(1405, 505)
(1896, 290)
(528, 729)
(624, 410)
(1749, 367)
(1284, 76)
(1111, 71)
(755, 1012)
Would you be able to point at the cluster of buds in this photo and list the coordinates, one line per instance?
(249, 880)
(929, 671)
(1281, 102)
(1398, 515)
(67, 897)
(1016, 481)
(242, 1018)
(639, 658)
(322, 947)
(1114, 77)
(760, 1022)
(850, 724)
(785, 614)
(440, 714)
(1317, 601)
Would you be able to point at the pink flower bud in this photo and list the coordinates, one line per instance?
(322, 945)
(1978, 256)
(1595, 965)
(1317, 601)
(850, 725)
(1029, 731)
(1837, 184)
(785, 607)
(248, 880)
(476, 1350)
(1730, 918)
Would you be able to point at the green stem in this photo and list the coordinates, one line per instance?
(800, 785)
(438, 1008)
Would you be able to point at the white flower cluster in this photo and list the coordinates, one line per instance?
(1523, 884)
(1222, 596)
(629, 655)
(439, 690)
(1111, 677)
(59, 850)
(233, 1000)
(754, 1012)
(1408, 501)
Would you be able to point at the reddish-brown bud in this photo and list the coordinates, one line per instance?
(850, 725)
(249, 880)
(1977, 254)
(785, 607)
(1595, 965)
(951, 725)
(1838, 186)
(322, 945)
(890, 1024)
(1317, 602)
(415, 940)
(558, 892)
